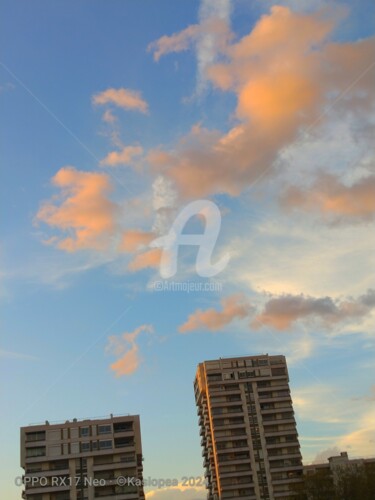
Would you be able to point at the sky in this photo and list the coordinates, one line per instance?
(116, 117)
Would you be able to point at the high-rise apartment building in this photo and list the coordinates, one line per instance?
(87, 459)
(249, 437)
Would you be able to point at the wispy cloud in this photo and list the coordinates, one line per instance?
(123, 157)
(123, 98)
(334, 200)
(232, 307)
(16, 355)
(209, 38)
(126, 349)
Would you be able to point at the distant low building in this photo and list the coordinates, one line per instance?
(339, 462)
(83, 459)
(340, 478)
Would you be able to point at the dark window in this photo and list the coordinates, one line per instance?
(36, 436)
(104, 445)
(104, 429)
(84, 431)
(123, 426)
(39, 451)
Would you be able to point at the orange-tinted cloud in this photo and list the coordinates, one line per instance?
(127, 351)
(179, 492)
(123, 157)
(109, 117)
(232, 307)
(123, 98)
(147, 259)
(132, 240)
(177, 42)
(281, 312)
(333, 199)
(282, 74)
(82, 210)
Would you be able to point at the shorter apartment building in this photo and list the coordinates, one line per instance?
(338, 463)
(83, 459)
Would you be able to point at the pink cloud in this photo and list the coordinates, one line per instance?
(124, 157)
(282, 83)
(232, 307)
(147, 259)
(335, 200)
(123, 98)
(177, 42)
(127, 351)
(134, 239)
(82, 209)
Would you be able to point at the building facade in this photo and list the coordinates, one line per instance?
(341, 477)
(249, 436)
(83, 460)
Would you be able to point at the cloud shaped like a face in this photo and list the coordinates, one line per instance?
(232, 307)
(126, 349)
(334, 200)
(123, 98)
(85, 210)
(282, 83)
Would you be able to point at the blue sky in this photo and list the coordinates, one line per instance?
(265, 110)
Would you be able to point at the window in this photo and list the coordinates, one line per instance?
(85, 447)
(128, 457)
(40, 451)
(94, 445)
(123, 426)
(84, 431)
(104, 429)
(36, 436)
(105, 445)
(122, 442)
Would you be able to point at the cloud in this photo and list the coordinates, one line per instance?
(125, 348)
(281, 312)
(282, 84)
(123, 157)
(346, 426)
(324, 455)
(123, 98)
(361, 442)
(209, 37)
(334, 200)
(177, 42)
(147, 259)
(178, 493)
(133, 239)
(164, 201)
(109, 117)
(82, 210)
(16, 355)
(332, 409)
(232, 307)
